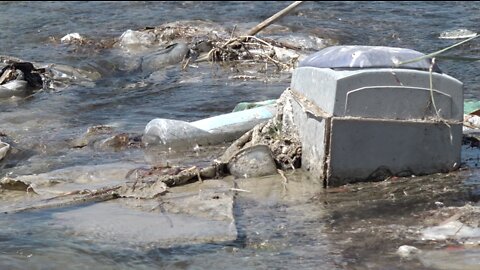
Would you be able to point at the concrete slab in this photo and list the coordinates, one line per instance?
(197, 213)
(78, 178)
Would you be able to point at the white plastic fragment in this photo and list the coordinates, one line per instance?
(131, 37)
(406, 251)
(457, 34)
(473, 120)
(285, 55)
(72, 37)
(451, 230)
(4, 147)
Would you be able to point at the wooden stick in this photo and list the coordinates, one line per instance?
(272, 19)
(253, 31)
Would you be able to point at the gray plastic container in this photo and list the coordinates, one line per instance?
(362, 116)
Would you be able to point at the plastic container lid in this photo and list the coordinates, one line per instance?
(345, 57)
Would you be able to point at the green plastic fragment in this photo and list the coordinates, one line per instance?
(471, 105)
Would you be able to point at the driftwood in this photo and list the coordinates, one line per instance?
(273, 18)
(245, 47)
(70, 199)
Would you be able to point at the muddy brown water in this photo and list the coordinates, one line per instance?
(279, 225)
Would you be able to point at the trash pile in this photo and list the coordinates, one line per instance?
(19, 78)
(149, 50)
(457, 237)
(269, 148)
(193, 42)
(271, 139)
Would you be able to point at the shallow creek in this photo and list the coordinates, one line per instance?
(255, 223)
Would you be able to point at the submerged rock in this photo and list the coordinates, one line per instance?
(253, 161)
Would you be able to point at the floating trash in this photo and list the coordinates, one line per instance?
(173, 54)
(213, 130)
(72, 37)
(471, 105)
(250, 105)
(457, 34)
(4, 147)
(451, 230)
(19, 79)
(131, 37)
(406, 251)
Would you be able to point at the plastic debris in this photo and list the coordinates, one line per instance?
(470, 106)
(71, 38)
(173, 54)
(457, 34)
(451, 230)
(4, 147)
(131, 37)
(164, 131)
(217, 129)
(472, 121)
(19, 79)
(406, 251)
(250, 105)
